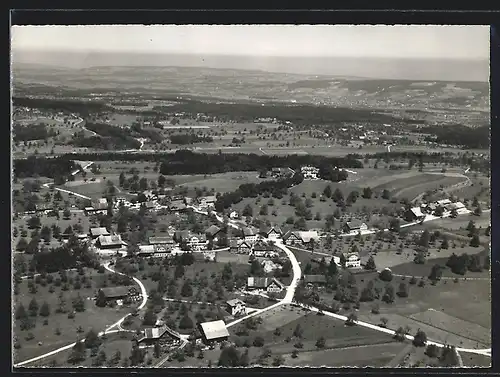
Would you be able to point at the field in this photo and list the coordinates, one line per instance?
(45, 337)
(278, 326)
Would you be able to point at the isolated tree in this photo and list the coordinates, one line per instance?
(389, 294)
(78, 353)
(92, 339)
(370, 264)
(403, 290)
(229, 358)
(399, 334)
(432, 350)
(22, 244)
(321, 342)
(33, 307)
(328, 191)
(149, 318)
(474, 242)
(45, 309)
(367, 193)
(21, 312)
(420, 339)
(436, 273)
(187, 289)
(386, 275)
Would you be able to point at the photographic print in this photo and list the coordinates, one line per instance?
(229, 196)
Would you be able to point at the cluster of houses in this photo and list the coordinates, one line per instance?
(440, 208)
(309, 172)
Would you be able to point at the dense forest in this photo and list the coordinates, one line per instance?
(460, 135)
(110, 137)
(183, 139)
(32, 132)
(187, 162)
(44, 167)
(276, 188)
(80, 107)
(300, 114)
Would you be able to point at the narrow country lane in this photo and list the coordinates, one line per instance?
(108, 330)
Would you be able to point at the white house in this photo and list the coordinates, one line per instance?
(234, 215)
(353, 261)
(249, 235)
(309, 172)
(236, 307)
(274, 233)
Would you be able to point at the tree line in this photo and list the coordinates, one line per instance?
(110, 137)
(72, 106)
(32, 132)
(459, 135)
(43, 167)
(184, 139)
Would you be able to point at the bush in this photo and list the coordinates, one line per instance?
(258, 341)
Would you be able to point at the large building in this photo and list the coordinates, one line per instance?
(271, 285)
(214, 331)
(110, 242)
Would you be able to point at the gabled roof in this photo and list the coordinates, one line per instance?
(111, 292)
(275, 229)
(354, 224)
(314, 279)
(160, 240)
(154, 332)
(417, 212)
(261, 246)
(99, 231)
(214, 329)
(308, 236)
(208, 199)
(262, 282)
(291, 234)
(234, 302)
(248, 232)
(115, 239)
(212, 230)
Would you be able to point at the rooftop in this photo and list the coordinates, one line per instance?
(214, 329)
(99, 231)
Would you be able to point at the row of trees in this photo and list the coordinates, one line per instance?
(32, 132)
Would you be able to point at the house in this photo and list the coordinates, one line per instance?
(307, 237)
(271, 285)
(146, 250)
(274, 233)
(197, 242)
(443, 202)
(292, 238)
(110, 242)
(309, 172)
(260, 249)
(177, 206)
(354, 225)
(414, 214)
(236, 307)
(249, 235)
(314, 279)
(97, 232)
(212, 231)
(214, 331)
(152, 335)
(352, 261)
(240, 247)
(164, 240)
(43, 207)
(206, 201)
(120, 293)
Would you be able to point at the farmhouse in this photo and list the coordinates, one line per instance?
(292, 238)
(177, 206)
(414, 214)
(152, 335)
(240, 247)
(110, 242)
(314, 280)
(274, 233)
(236, 307)
(154, 251)
(212, 231)
(214, 331)
(264, 283)
(206, 201)
(97, 232)
(309, 172)
(165, 240)
(281, 172)
(197, 242)
(352, 261)
(260, 249)
(249, 235)
(120, 293)
(353, 226)
(307, 237)
(43, 207)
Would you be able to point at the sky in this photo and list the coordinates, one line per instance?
(381, 41)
